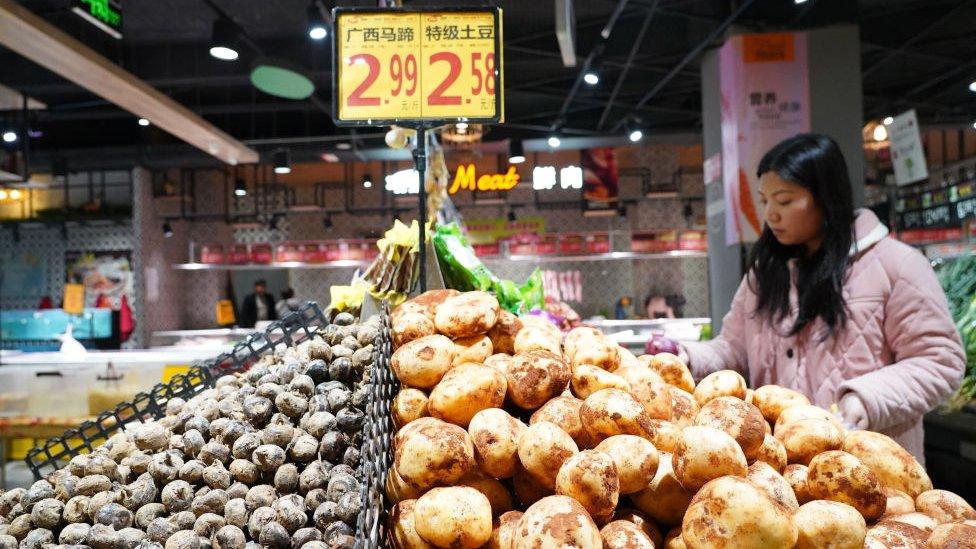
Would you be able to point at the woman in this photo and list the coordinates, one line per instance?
(835, 308)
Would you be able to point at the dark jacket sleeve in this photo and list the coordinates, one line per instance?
(272, 312)
(249, 312)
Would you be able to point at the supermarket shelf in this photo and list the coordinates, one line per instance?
(600, 257)
(341, 264)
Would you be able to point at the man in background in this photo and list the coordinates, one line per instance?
(258, 306)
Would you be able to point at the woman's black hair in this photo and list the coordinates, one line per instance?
(816, 163)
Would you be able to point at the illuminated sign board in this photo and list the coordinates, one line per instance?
(467, 179)
(104, 14)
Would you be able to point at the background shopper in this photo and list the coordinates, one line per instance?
(258, 306)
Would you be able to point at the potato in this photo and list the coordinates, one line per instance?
(542, 450)
(500, 362)
(772, 452)
(807, 438)
(503, 333)
(504, 530)
(454, 517)
(641, 521)
(627, 358)
(892, 464)
(805, 411)
(535, 377)
(719, 384)
(527, 489)
(797, 475)
(684, 407)
(475, 349)
(829, 524)
(636, 460)
(498, 496)
(671, 369)
(411, 326)
(495, 434)
(944, 506)
(898, 502)
(590, 477)
(650, 390)
(773, 399)
(433, 453)
(408, 405)
(665, 499)
(738, 419)
(610, 412)
(465, 315)
(953, 536)
(839, 476)
(664, 435)
(732, 512)
(674, 541)
(621, 534)
(537, 338)
(423, 362)
(557, 521)
(564, 411)
(397, 489)
(541, 322)
(601, 353)
(771, 482)
(466, 390)
(580, 337)
(589, 379)
(425, 303)
(895, 535)
(403, 529)
(918, 520)
(705, 453)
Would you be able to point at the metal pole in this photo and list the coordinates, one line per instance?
(420, 163)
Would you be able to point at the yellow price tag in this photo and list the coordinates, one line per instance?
(225, 312)
(171, 370)
(74, 299)
(403, 65)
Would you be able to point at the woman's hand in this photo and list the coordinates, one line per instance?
(852, 411)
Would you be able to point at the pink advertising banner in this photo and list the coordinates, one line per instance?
(765, 99)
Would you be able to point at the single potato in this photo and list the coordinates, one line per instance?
(775, 486)
(535, 377)
(403, 531)
(397, 489)
(664, 435)
(423, 362)
(542, 450)
(665, 499)
(839, 476)
(732, 512)
(772, 452)
(465, 315)
(541, 322)
(649, 390)
(773, 399)
(425, 303)
(408, 405)
(704, 454)
(466, 390)
(944, 506)
(433, 453)
(590, 477)
(610, 412)
(893, 465)
(807, 438)
(627, 358)
(899, 503)
(589, 379)
(671, 369)
(503, 333)
(495, 435)
(645, 524)
(601, 353)
(580, 336)
(564, 411)
(953, 536)
(684, 407)
(805, 411)
(454, 517)
(738, 419)
(498, 496)
(719, 384)
(829, 524)
(636, 460)
(504, 531)
(796, 475)
(895, 535)
(536, 338)
(475, 349)
(621, 534)
(557, 521)
(411, 326)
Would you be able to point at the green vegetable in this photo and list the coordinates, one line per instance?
(958, 279)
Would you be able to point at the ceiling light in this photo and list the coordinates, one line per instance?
(974, 125)
(554, 141)
(143, 122)
(516, 152)
(634, 131)
(368, 181)
(223, 41)
(591, 77)
(3, 194)
(889, 120)
(880, 133)
(167, 230)
(282, 161)
(239, 188)
(343, 146)
(330, 157)
(316, 24)
(16, 194)
(799, 2)
(972, 86)
(9, 136)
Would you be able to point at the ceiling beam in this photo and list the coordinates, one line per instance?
(13, 100)
(48, 46)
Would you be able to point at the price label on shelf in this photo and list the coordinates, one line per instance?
(401, 66)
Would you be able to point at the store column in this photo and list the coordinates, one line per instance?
(758, 89)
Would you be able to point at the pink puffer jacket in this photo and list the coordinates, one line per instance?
(900, 351)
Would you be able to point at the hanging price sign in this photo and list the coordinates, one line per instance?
(421, 66)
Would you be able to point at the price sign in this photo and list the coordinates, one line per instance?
(74, 299)
(402, 66)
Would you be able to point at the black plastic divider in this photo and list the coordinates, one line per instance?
(292, 329)
(377, 438)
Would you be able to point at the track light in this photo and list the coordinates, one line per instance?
(282, 161)
(316, 24)
(591, 77)
(516, 152)
(239, 188)
(327, 222)
(223, 40)
(367, 181)
(554, 141)
(143, 122)
(511, 215)
(167, 230)
(889, 120)
(9, 136)
(634, 131)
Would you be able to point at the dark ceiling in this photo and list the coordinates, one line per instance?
(914, 53)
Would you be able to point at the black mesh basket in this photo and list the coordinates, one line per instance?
(292, 329)
(377, 438)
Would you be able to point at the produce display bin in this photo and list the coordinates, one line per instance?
(287, 332)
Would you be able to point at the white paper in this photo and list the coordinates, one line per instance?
(907, 154)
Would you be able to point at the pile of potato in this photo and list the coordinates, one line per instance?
(267, 458)
(512, 435)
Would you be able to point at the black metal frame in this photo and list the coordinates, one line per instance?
(57, 451)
